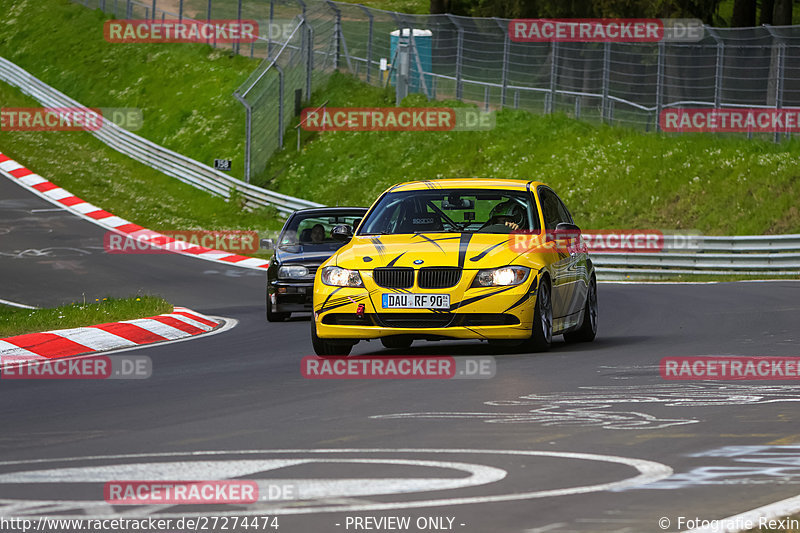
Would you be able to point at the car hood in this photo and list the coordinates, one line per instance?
(467, 250)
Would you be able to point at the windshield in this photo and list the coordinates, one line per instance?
(451, 211)
(313, 230)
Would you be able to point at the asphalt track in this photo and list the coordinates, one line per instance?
(403, 448)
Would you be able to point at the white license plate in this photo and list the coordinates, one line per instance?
(415, 301)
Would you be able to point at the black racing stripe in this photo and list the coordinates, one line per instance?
(329, 296)
(519, 302)
(350, 300)
(430, 241)
(393, 261)
(486, 251)
(463, 246)
(525, 296)
(474, 299)
(376, 241)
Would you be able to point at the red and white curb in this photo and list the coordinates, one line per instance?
(66, 200)
(180, 324)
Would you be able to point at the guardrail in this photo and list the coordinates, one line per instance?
(151, 154)
(772, 255)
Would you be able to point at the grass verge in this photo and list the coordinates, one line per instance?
(98, 174)
(185, 91)
(16, 321)
(609, 176)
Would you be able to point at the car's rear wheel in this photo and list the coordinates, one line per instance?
(272, 316)
(396, 343)
(326, 348)
(542, 329)
(588, 329)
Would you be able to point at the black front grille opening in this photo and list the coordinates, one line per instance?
(348, 319)
(394, 277)
(415, 320)
(438, 277)
(488, 319)
(445, 320)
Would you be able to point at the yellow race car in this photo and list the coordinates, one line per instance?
(490, 259)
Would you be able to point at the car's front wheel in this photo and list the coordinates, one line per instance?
(326, 348)
(542, 329)
(588, 329)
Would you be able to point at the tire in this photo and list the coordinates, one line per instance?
(326, 348)
(588, 329)
(272, 316)
(542, 330)
(396, 343)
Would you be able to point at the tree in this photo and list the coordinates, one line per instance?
(744, 13)
(767, 7)
(782, 16)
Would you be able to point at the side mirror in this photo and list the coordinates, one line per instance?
(565, 230)
(342, 233)
(267, 244)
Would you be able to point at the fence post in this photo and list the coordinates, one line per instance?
(238, 43)
(369, 39)
(269, 33)
(337, 29)
(506, 53)
(459, 57)
(103, 5)
(660, 84)
(551, 105)
(280, 105)
(248, 130)
(310, 59)
(718, 66)
(154, 9)
(401, 86)
(780, 68)
(208, 19)
(180, 11)
(606, 78)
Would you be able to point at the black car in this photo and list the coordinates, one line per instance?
(304, 243)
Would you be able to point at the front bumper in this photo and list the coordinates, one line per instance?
(291, 296)
(475, 313)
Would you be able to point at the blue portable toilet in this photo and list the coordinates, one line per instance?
(423, 39)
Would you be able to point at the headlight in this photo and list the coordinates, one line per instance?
(510, 275)
(341, 277)
(292, 271)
